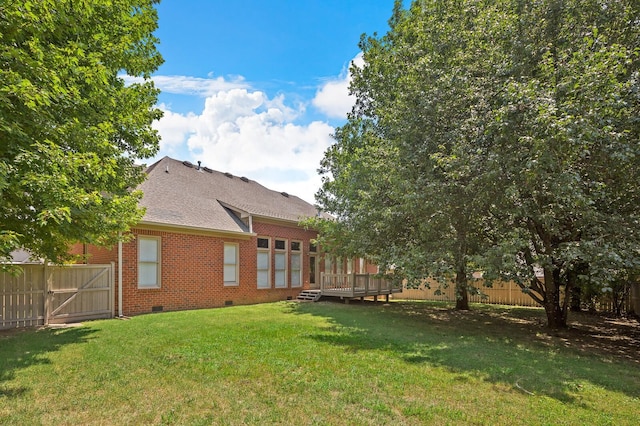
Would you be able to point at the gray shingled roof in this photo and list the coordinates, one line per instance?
(175, 194)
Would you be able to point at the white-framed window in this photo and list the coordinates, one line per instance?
(263, 263)
(296, 264)
(280, 263)
(231, 264)
(149, 249)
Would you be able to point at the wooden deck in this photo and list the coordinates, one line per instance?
(350, 286)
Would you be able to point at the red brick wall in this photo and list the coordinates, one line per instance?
(102, 255)
(192, 270)
(77, 250)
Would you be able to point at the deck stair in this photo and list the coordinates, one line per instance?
(309, 295)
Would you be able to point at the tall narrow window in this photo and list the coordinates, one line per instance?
(263, 263)
(312, 271)
(230, 264)
(148, 262)
(296, 264)
(280, 263)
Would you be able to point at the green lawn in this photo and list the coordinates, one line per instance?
(320, 363)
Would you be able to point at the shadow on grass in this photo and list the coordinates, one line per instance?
(500, 345)
(20, 349)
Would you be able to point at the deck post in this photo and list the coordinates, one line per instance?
(352, 278)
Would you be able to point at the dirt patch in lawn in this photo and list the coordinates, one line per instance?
(610, 337)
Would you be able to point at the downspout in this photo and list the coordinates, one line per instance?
(251, 224)
(120, 274)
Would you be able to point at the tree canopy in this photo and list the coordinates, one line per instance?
(499, 136)
(71, 129)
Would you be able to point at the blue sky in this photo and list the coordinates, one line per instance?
(256, 87)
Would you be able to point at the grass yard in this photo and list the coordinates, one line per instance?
(325, 363)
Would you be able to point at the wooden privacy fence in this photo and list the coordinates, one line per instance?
(45, 294)
(501, 293)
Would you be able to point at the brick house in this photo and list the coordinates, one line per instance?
(211, 239)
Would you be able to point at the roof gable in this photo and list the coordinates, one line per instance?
(183, 194)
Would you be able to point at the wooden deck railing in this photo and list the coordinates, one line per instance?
(357, 285)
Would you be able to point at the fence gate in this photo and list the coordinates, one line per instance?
(79, 292)
(45, 294)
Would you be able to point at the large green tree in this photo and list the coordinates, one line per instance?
(566, 147)
(403, 175)
(70, 128)
(495, 134)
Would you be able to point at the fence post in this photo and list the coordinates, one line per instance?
(46, 285)
(112, 283)
(352, 279)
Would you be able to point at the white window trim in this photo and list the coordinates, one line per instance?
(236, 281)
(299, 254)
(268, 252)
(286, 263)
(158, 261)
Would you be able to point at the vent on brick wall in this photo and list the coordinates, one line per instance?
(228, 302)
(156, 309)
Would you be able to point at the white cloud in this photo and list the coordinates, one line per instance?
(245, 132)
(173, 127)
(333, 97)
(248, 134)
(185, 85)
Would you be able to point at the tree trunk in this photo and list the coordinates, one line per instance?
(556, 315)
(575, 282)
(576, 291)
(462, 295)
(576, 299)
